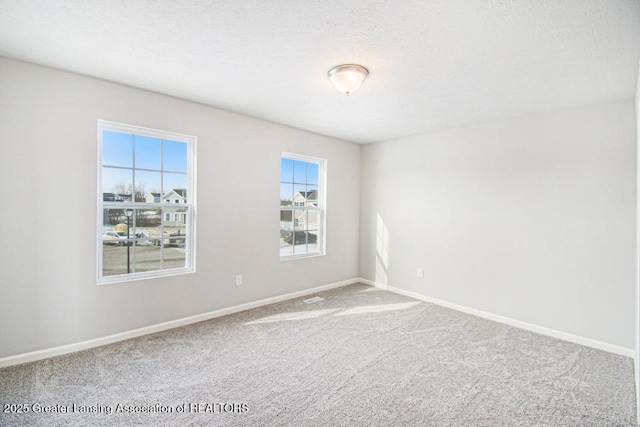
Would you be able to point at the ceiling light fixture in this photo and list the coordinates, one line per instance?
(347, 78)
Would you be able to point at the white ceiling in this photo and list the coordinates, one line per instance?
(434, 64)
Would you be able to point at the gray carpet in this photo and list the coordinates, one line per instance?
(361, 357)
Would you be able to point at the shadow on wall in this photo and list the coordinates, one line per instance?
(382, 253)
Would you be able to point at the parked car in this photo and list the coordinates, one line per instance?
(141, 239)
(174, 239)
(114, 238)
(120, 238)
(177, 239)
(301, 237)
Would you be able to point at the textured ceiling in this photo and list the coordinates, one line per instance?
(434, 64)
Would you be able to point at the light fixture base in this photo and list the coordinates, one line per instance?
(347, 78)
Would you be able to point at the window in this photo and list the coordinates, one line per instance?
(139, 235)
(302, 210)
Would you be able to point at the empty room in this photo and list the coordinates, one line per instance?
(319, 213)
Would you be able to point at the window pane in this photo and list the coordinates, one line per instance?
(174, 182)
(286, 194)
(286, 170)
(300, 244)
(286, 232)
(148, 257)
(313, 220)
(148, 222)
(116, 184)
(312, 241)
(173, 257)
(286, 216)
(299, 193)
(174, 239)
(286, 248)
(313, 170)
(114, 259)
(300, 219)
(174, 156)
(117, 149)
(111, 218)
(312, 195)
(299, 172)
(174, 220)
(147, 152)
(147, 183)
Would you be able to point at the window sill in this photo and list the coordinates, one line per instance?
(305, 256)
(126, 278)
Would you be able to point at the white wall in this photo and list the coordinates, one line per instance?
(48, 291)
(532, 219)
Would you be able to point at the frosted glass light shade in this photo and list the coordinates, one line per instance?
(347, 78)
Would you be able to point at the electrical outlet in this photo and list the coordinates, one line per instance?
(238, 279)
(420, 273)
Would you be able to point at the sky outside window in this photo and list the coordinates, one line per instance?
(174, 156)
(147, 152)
(153, 155)
(297, 176)
(117, 149)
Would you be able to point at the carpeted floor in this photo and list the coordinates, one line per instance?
(361, 357)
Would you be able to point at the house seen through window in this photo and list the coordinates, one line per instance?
(301, 206)
(145, 223)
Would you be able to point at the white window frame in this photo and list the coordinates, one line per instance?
(321, 208)
(190, 206)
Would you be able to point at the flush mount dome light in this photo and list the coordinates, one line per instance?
(347, 78)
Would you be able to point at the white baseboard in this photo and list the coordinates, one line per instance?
(110, 339)
(509, 321)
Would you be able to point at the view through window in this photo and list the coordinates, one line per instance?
(145, 197)
(301, 205)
